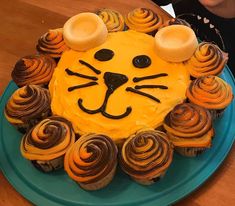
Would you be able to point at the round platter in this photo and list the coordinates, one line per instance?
(56, 189)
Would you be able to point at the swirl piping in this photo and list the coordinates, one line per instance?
(91, 158)
(113, 20)
(52, 43)
(143, 20)
(146, 155)
(34, 69)
(210, 92)
(27, 104)
(208, 59)
(48, 140)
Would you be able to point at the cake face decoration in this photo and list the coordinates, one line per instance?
(116, 87)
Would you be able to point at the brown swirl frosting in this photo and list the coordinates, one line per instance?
(146, 154)
(52, 43)
(210, 92)
(143, 20)
(34, 69)
(208, 59)
(188, 125)
(113, 20)
(91, 158)
(48, 140)
(27, 105)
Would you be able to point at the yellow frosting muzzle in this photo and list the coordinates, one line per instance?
(112, 96)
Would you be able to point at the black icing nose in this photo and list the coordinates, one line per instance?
(114, 80)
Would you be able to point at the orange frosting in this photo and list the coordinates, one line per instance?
(146, 154)
(33, 69)
(210, 92)
(91, 158)
(208, 59)
(52, 43)
(189, 125)
(143, 20)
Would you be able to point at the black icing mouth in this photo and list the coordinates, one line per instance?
(112, 81)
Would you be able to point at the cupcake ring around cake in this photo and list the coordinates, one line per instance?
(118, 83)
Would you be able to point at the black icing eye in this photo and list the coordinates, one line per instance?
(104, 55)
(141, 61)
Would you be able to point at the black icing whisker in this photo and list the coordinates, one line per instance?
(89, 66)
(137, 79)
(71, 73)
(152, 86)
(82, 86)
(130, 89)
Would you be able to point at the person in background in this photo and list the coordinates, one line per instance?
(212, 20)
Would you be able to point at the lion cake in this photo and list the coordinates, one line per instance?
(116, 81)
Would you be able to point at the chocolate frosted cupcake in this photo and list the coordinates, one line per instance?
(210, 92)
(92, 161)
(113, 20)
(34, 69)
(52, 43)
(146, 156)
(208, 59)
(189, 128)
(27, 106)
(46, 143)
(143, 20)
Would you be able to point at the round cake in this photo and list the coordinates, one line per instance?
(118, 87)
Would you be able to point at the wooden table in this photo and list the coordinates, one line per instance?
(23, 21)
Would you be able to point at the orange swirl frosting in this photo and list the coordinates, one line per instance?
(113, 20)
(34, 69)
(210, 92)
(189, 125)
(52, 43)
(143, 20)
(91, 158)
(27, 104)
(146, 154)
(208, 59)
(48, 140)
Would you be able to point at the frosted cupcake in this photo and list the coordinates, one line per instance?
(208, 59)
(210, 92)
(113, 20)
(34, 69)
(146, 156)
(52, 43)
(92, 161)
(27, 106)
(189, 128)
(46, 143)
(144, 20)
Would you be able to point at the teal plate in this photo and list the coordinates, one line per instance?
(56, 189)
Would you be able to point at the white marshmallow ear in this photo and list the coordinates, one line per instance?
(175, 43)
(84, 31)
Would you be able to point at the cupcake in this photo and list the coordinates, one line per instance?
(210, 92)
(34, 69)
(92, 161)
(143, 20)
(146, 156)
(47, 142)
(208, 59)
(113, 20)
(27, 106)
(52, 43)
(189, 128)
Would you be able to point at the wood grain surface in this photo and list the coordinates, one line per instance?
(22, 22)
